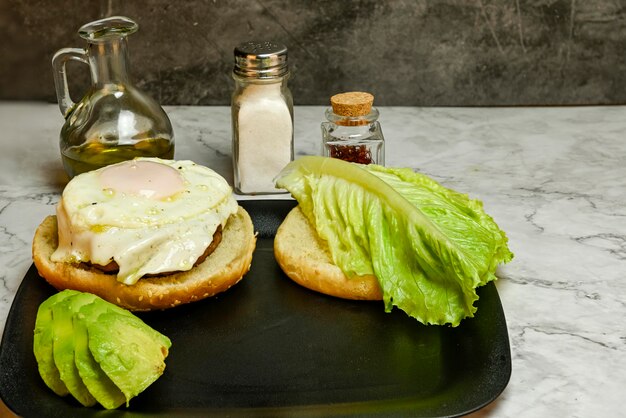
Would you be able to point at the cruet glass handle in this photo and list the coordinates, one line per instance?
(59, 60)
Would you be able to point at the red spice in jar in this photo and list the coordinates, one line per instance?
(352, 153)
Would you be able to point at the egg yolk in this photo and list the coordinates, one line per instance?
(142, 178)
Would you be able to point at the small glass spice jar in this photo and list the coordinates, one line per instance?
(262, 116)
(352, 132)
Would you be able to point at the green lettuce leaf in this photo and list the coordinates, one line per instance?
(430, 247)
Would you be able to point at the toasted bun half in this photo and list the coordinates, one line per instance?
(304, 258)
(218, 272)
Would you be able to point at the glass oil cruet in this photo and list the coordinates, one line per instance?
(114, 121)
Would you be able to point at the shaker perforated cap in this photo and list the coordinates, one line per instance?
(261, 59)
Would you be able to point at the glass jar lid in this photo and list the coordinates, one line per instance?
(108, 28)
(261, 59)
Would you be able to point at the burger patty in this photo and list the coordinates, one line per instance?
(113, 267)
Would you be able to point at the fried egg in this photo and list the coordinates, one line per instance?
(148, 215)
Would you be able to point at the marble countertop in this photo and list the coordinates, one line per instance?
(553, 178)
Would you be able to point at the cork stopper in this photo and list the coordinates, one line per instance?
(352, 104)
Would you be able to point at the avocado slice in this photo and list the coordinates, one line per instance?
(95, 350)
(63, 345)
(100, 386)
(130, 352)
(42, 344)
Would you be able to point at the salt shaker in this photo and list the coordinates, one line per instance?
(262, 117)
(352, 132)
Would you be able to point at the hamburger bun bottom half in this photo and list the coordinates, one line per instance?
(304, 258)
(223, 268)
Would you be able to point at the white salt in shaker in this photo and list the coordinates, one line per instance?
(262, 117)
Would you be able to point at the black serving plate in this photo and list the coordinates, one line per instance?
(268, 347)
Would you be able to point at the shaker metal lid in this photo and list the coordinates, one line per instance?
(261, 59)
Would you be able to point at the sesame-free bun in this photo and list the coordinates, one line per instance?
(304, 258)
(223, 268)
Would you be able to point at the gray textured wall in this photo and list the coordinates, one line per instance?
(412, 52)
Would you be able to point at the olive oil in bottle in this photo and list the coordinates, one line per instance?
(94, 155)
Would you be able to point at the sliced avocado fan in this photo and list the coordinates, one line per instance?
(96, 351)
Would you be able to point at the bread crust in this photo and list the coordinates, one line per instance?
(305, 259)
(222, 269)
